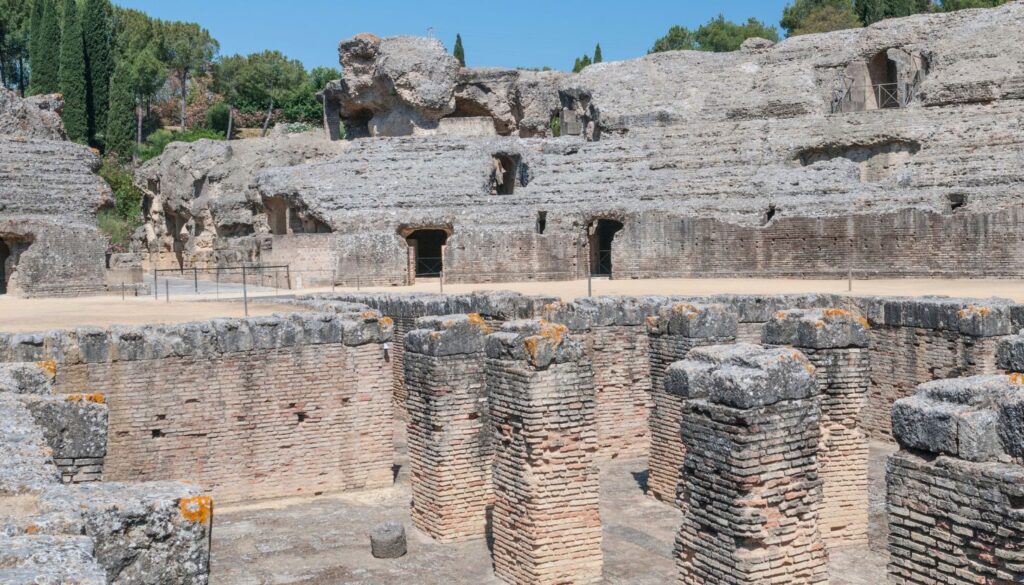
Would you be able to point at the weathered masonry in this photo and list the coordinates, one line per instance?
(450, 450)
(956, 487)
(546, 519)
(835, 342)
(217, 402)
(751, 493)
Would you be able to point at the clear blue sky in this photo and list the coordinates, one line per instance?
(523, 33)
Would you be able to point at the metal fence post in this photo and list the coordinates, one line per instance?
(590, 287)
(122, 290)
(288, 275)
(440, 279)
(195, 278)
(334, 279)
(156, 287)
(167, 290)
(217, 289)
(245, 292)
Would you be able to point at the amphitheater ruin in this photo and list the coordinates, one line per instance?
(367, 437)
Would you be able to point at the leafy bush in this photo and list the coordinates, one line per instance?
(120, 221)
(296, 127)
(158, 141)
(217, 118)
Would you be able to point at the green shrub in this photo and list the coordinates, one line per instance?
(120, 221)
(158, 141)
(216, 118)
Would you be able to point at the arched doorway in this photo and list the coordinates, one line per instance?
(5, 256)
(601, 235)
(883, 75)
(426, 256)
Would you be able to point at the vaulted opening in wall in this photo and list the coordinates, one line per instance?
(358, 124)
(956, 201)
(11, 249)
(876, 161)
(503, 176)
(542, 221)
(277, 215)
(769, 215)
(884, 78)
(5, 256)
(302, 222)
(601, 236)
(426, 256)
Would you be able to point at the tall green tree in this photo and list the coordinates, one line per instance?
(951, 5)
(720, 35)
(598, 57)
(132, 86)
(99, 60)
(827, 18)
(678, 38)
(872, 11)
(15, 25)
(259, 80)
(458, 51)
(581, 63)
(794, 15)
(188, 50)
(44, 55)
(73, 74)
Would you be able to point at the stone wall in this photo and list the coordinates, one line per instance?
(546, 520)
(751, 493)
(956, 487)
(450, 450)
(255, 408)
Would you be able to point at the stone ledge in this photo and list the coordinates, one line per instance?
(537, 342)
(817, 329)
(448, 335)
(33, 559)
(1010, 354)
(693, 321)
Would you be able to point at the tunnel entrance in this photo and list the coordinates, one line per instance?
(602, 234)
(426, 256)
(5, 255)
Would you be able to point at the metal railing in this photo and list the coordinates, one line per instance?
(887, 95)
(427, 267)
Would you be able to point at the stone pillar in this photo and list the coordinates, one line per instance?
(450, 451)
(673, 332)
(1010, 353)
(751, 492)
(836, 343)
(546, 520)
(955, 490)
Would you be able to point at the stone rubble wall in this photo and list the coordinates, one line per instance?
(92, 533)
(450, 450)
(1010, 354)
(835, 342)
(250, 408)
(956, 487)
(751, 493)
(546, 519)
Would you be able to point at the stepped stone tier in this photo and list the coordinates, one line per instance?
(768, 161)
(673, 332)
(450, 451)
(956, 487)
(546, 521)
(751, 493)
(835, 342)
(50, 243)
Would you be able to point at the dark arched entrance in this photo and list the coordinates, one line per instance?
(5, 257)
(602, 234)
(427, 258)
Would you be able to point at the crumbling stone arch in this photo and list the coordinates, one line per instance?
(11, 249)
(600, 236)
(426, 250)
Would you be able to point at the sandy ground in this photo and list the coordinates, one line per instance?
(568, 290)
(29, 315)
(324, 540)
(22, 315)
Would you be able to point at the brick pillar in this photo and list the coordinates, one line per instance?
(450, 451)
(955, 490)
(836, 343)
(673, 332)
(751, 492)
(546, 520)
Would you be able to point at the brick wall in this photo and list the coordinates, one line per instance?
(622, 382)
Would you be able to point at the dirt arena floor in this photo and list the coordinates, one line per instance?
(24, 315)
(325, 540)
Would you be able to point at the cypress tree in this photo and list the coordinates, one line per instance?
(72, 74)
(96, 26)
(459, 52)
(597, 54)
(44, 54)
(35, 30)
(120, 132)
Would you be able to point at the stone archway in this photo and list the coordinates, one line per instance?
(601, 235)
(5, 270)
(426, 252)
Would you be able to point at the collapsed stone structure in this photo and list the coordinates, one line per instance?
(50, 243)
(889, 151)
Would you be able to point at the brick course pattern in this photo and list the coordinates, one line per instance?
(751, 492)
(546, 519)
(255, 408)
(450, 452)
(676, 330)
(955, 490)
(835, 342)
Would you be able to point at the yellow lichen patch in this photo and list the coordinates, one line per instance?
(530, 343)
(835, 313)
(435, 334)
(386, 321)
(196, 509)
(1017, 379)
(32, 529)
(553, 331)
(652, 322)
(819, 324)
(803, 360)
(552, 306)
(974, 310)
(477, 321)
(864, 322)
(370, 314)
(95, 397)
(48, 366)
(780, 314)
(687, 308)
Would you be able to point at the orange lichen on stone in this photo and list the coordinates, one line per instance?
(48, 366)
(780, 314)
(819, 324)
(553, 331)
(652, 322)
(833, 313)
(690, 310)
(386, 321)
(477, 321)
(435, 334)
(1017, 379)
(197, 509)
(864, 322)
(32, 529)
(95, 397)
(974, 310)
